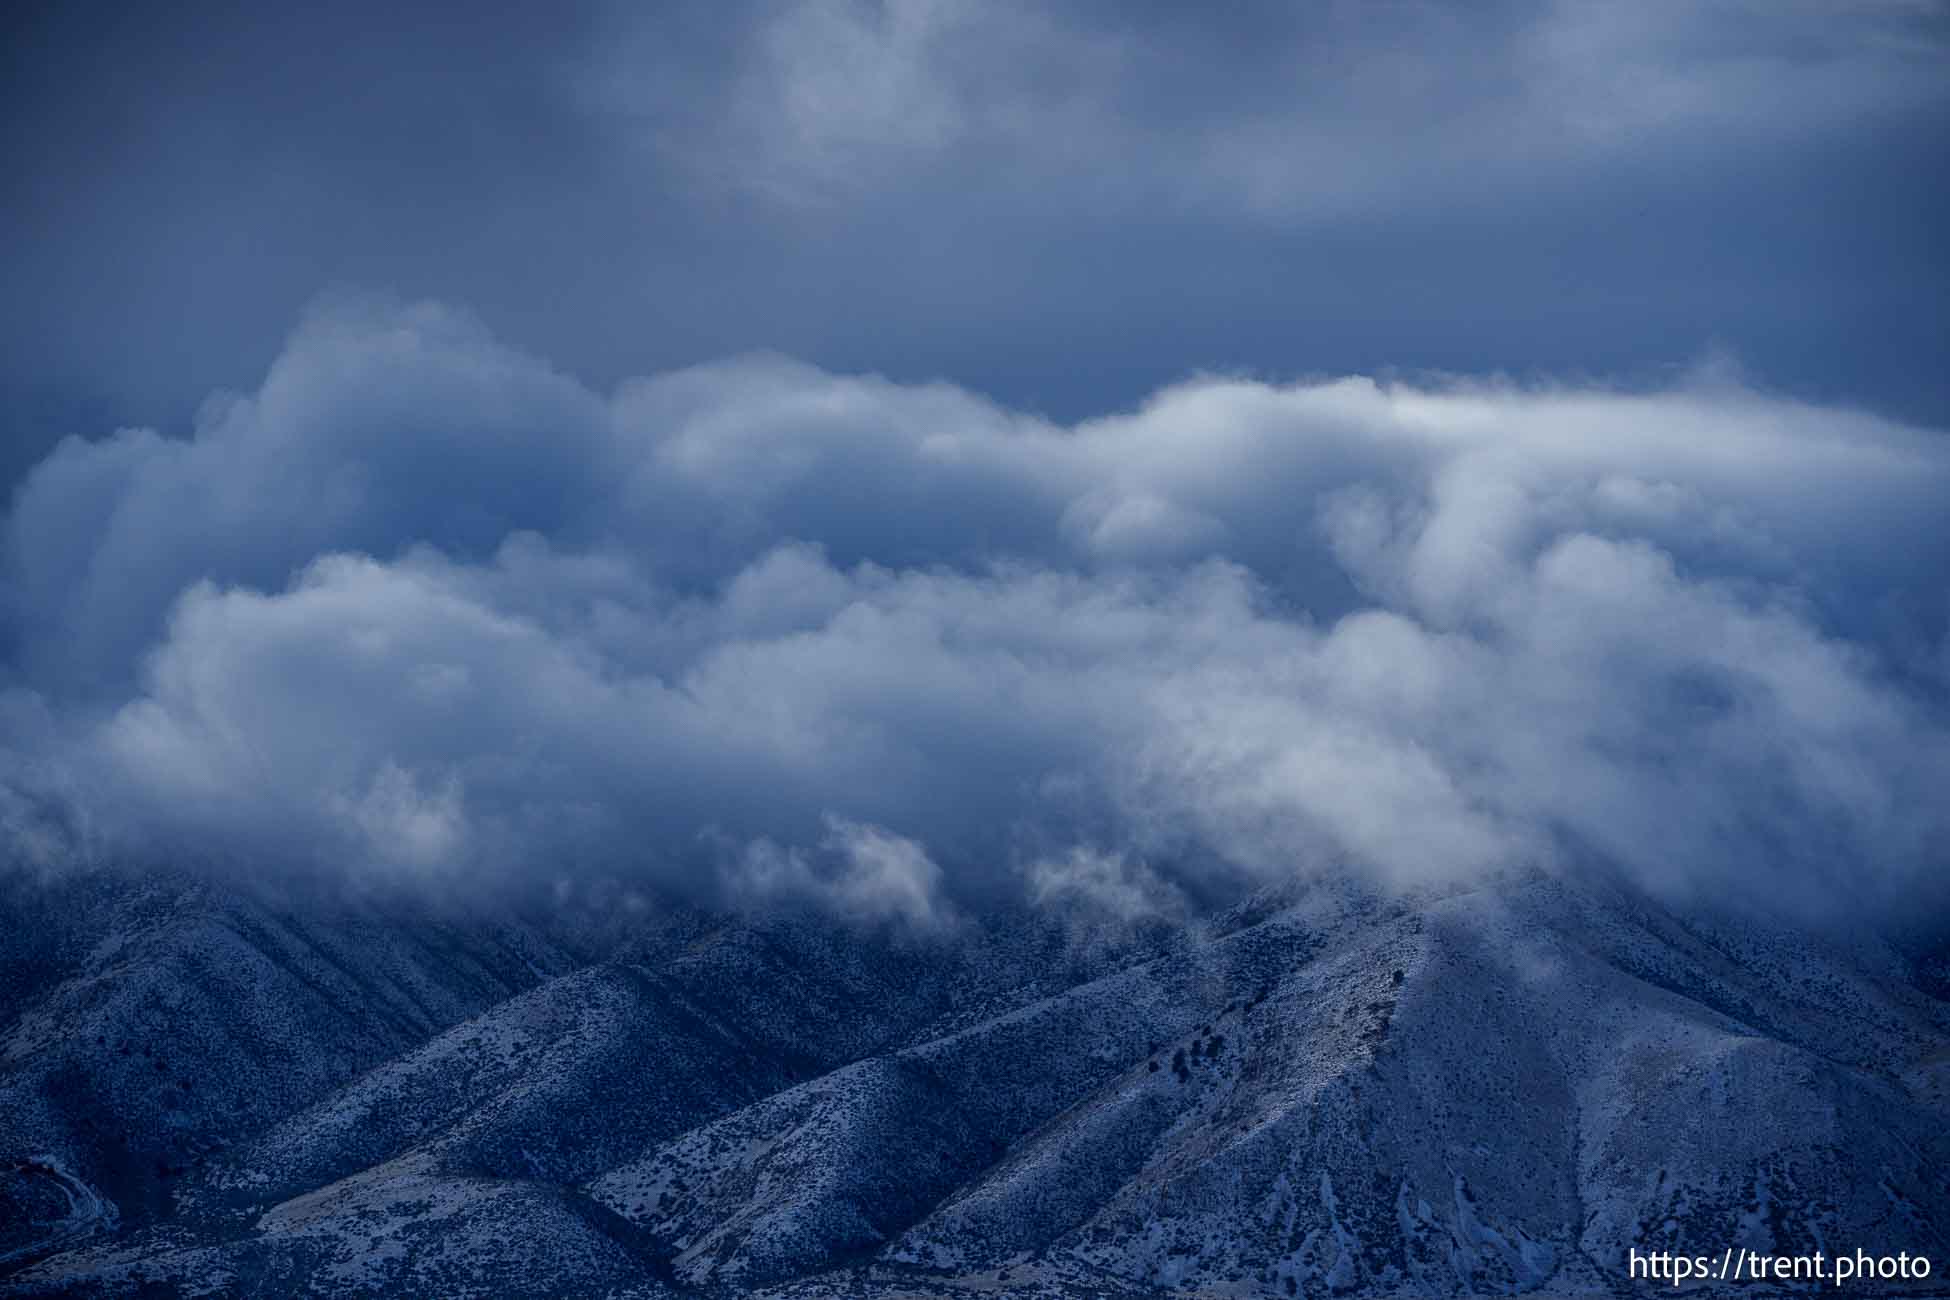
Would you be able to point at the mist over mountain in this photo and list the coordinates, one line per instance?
(766, 829)
(953, 647)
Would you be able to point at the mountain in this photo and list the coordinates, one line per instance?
(1502, 1088)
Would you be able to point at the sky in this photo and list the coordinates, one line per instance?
(891, 452)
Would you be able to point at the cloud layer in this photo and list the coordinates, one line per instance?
(1064, 207)
(1271, 111)
(422, 605)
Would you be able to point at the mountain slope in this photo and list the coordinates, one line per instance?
(159, 1019)
(1500, 1088)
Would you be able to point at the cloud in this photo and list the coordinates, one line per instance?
(1062, 206)
(425, 607)
(862, 873)
(1105, 885)
(1269, 113)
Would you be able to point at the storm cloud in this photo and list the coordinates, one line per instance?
(1065, 207)
(420, 605)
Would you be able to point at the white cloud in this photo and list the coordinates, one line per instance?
(422, 604)
(1109, 885)
(863, 874)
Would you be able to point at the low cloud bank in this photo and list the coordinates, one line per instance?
(421, 605)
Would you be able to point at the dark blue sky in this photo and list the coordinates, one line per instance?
(1062, 206)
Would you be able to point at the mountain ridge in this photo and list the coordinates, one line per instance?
(1503, 1086)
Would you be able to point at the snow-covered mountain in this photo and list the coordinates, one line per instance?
(1500, 1088)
